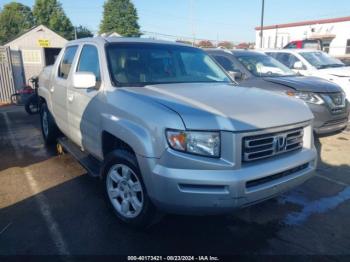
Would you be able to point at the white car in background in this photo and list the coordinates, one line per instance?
(315, 63)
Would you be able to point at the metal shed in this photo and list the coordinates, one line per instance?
(29, 53)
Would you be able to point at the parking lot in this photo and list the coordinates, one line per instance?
(50, 206)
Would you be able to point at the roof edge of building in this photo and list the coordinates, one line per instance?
(8, 43)
(309, 22)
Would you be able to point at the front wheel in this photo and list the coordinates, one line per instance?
(125, 190)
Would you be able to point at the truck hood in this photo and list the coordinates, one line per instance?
(305, 84)
(337, 71)
(216, 106)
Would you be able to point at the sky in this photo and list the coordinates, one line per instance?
(231, 20)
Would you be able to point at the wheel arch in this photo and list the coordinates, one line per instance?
(110, 142)
(127, 134)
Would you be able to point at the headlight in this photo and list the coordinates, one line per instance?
(307, 97)
(195, 142)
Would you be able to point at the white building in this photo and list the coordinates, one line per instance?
(334, 33)
(33, 50)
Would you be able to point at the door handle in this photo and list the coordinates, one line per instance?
(70, 97)
(52, 88)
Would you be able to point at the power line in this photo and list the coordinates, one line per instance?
(179, 37)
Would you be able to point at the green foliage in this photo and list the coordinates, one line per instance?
(226, 44)
(83, 31)
(50, 13)
(120, 16)
(205, 44)
(15, 18)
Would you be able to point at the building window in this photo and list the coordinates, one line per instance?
(348, 46)
(31, 56)
(326, 47)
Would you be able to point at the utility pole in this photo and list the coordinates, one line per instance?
(262, 23)
(75, 33)
(192, 22)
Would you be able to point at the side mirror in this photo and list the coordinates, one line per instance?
(298, 65)
(84, 80)
(235, 75)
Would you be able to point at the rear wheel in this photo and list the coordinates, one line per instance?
(32, 105)
(48, 126)
(125, 190)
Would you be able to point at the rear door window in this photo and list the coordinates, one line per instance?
(66, 62)
(292, 45)
(285, 58)
(226, 63)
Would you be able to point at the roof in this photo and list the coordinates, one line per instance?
(246, 52)
(235, 51)
(296, 50)
(100, 39)
(303, 23)
(31, 30)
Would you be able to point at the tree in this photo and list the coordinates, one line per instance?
(83, 31)
(15, 18)
(205, 44)
(120, 16)
(243, 45)
(51, 14)
(225, 44)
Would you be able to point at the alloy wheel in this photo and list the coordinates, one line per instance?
(125, 191)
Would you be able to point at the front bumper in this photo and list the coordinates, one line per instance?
(326, 122)
(176, 186)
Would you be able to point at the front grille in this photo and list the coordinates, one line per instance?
(264, 180)
(336, 102)
(267, 145)
(336, 122)
(338, 110)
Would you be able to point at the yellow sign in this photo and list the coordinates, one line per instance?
(44, 42)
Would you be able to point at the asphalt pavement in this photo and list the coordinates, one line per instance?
(50, 206)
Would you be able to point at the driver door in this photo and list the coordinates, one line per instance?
(83, 104)
(59, 86)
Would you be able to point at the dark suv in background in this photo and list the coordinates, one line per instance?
(254, 69)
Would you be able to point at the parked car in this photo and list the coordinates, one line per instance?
(315, 63)
(255, 69)
(345, 60)
(166, 128)
(315, 44)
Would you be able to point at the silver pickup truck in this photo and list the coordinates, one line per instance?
(166, 129)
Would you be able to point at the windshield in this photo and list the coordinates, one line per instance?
(263, 65)
(321, 60)
(139, 64)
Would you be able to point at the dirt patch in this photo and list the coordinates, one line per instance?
(2, 104)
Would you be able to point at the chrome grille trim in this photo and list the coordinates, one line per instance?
(257, 147)
(335, 101)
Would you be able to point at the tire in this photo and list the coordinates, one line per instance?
(31, 105)
(48, 126)
(117, 167)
